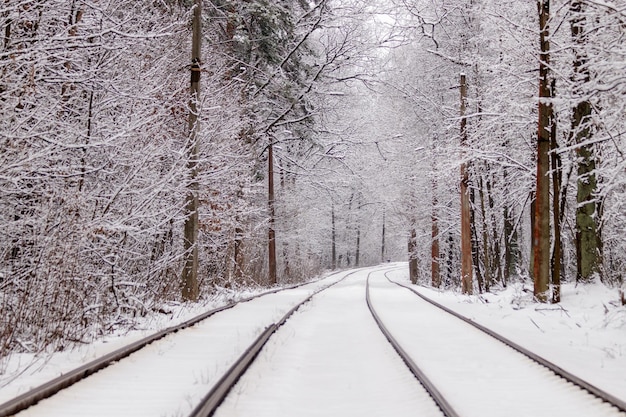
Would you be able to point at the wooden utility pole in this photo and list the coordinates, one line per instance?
(271, 233)
(190, 290)
(466, 230)
(541, 232)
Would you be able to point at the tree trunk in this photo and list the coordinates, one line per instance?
(357, 253)
(350, 226)
(510, 264)
(435, 265)
(485, 238)
(541, 232)
(7, 29)
(511, 249)
(496, 264)
(286, 273)
(587, 233)
(556, 216)
(382, 246)
(238, 255)
(333, 264)
(434, 246)
(412, 247)
(271, 245)
(451, 275)
(475, 247)
(466, 232)
(190, 290)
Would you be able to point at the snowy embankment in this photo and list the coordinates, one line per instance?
(23, 371)
(585, 334)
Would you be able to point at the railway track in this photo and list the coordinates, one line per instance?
(568, 376)
(514, 380)
(27, 403)
(513, 386)
(329, 360)
(447, 353)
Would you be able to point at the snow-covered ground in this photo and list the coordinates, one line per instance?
(585, 334)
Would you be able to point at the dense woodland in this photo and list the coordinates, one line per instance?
(317, 134)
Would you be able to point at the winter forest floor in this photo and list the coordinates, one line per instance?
(585, 334)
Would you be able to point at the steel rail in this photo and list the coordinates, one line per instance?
(568, 376)
(214, 398)
(432, 390)
(70, 378)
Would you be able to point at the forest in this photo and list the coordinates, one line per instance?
(161, 151)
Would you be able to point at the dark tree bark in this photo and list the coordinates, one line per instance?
(466, 232)
(357, 253)
(190, 290)
(488, 277)
(556, 215)
(496, 264)
(333, 264)
(434, 247)
(511, 247)
(475, 246)
(412, 248)
(382, 246)
(541, 232)
(271, 234)
(587, 231)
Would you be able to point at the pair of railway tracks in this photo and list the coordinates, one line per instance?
(220, 390)
(443, 401)
(34, 396)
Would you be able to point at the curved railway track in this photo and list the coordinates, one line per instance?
(442, 402)
(56, 385)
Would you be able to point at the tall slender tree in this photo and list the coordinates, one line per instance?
(541, 232)
(555, 160)
(466, 228)
(190, 289)
(271, 231)
(412, 249)
(587, 216)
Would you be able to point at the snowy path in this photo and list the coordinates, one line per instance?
(480, 376)
(168, 377)
(329, 359)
